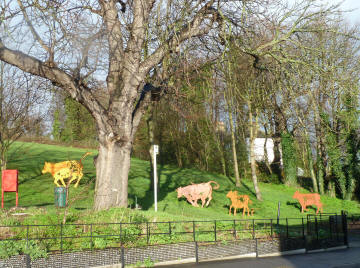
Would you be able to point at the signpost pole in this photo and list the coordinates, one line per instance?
(156, 151)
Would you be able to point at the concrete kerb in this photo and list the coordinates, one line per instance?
(354, 244)
(284, 253)
(248, 255)
(326, 249)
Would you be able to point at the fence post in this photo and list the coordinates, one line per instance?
(253, 231)
(330, 226)
(303, 232)
(28, 261)
(316, 229)
(307, 224)
(345, 228)
(27, 236)
(169, 229)
(122, 257)
(91, 237)
(121, 239)
(337, 235)
(196, 253)
(303, 227)
(287, 228)
(215, 230)
(194, 231)
(147, 233)
(234, 230)
(271, 228)
(256, 248)
(61, 238)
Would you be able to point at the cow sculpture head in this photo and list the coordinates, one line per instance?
(296, 195)
(179, 192)
(231, 194)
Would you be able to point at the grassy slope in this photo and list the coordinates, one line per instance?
(37, 190)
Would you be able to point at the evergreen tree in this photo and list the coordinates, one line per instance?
(289, 158)
(56, 131)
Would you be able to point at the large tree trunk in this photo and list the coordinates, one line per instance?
(112, 168)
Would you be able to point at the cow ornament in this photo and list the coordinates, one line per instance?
(194, 192)
(308, 200)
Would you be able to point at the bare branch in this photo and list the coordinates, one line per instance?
(188, 31)
(58, 77)
(34, 32)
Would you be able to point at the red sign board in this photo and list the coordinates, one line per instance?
(9, 183)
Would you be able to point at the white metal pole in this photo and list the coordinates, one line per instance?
(155, 179)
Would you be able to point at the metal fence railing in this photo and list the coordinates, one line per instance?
(96, 244)
(354, 227)
(71, 237)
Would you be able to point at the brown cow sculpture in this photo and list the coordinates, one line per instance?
(238, 202)
(194, 192)
(308, 200)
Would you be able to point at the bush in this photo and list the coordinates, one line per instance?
(13, 248)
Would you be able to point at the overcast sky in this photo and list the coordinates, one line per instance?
(354, 16)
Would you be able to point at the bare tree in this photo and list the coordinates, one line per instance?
(76, 43)
(19, 95)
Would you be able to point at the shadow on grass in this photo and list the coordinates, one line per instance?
(298, 206)
(165, 186)
(170, 179)
(231, 180)
(248, 189)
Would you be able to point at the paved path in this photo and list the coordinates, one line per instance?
(343, 258)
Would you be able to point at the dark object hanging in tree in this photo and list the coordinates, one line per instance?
(123, 6)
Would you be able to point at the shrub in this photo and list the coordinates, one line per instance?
(13, 248)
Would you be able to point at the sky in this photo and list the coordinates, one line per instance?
(354, 16)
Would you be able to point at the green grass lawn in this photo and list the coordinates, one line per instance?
(36, 193)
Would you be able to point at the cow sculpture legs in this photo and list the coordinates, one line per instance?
(192, 201)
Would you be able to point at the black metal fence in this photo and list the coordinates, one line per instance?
(354, 227)
(67, 237)
(238, 236)
(326, 230)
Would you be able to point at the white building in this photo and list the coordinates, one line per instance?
(259, 145)
(260, 152)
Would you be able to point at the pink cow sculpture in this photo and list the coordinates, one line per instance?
(194, 192)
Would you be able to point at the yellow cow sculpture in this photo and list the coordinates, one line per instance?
(70, 170)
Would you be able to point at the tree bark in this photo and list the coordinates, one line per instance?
(266, 155)
(233, 148)
(311, 163)
(320, 161)
(280, 127)
(253, 134)
(150, 130)
(112, 166)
